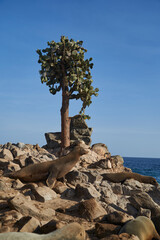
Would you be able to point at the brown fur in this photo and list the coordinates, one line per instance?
(122, 176)
(51, 170)
(142, 227)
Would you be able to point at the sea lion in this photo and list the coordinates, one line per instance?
(52, 170)
(142, 227)
(122, 176)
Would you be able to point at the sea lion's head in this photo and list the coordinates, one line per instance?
(153, 181)
(81, 149)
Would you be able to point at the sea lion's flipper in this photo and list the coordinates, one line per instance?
(10, 174)
(51, 180)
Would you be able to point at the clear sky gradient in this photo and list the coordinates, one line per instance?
(122, 37)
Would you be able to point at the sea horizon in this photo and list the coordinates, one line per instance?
(144, 166)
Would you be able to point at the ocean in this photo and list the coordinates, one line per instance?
(144, 166)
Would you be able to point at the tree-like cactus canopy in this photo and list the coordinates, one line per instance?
(63, 63)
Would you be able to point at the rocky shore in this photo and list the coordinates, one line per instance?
(85, 206)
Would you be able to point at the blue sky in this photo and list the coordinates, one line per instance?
(122, 37)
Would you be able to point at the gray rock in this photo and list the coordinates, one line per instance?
(93, 176)
(78, 131)
(154, 193)
(128, 190)
(86, 191)
(134, 184)
(53, 139)
(106, 192)
(20, 145)
(43, 194)
(76, 177)
(78, 123)
(116, 188)
(27, 208)
(72, 231)
(145, 201)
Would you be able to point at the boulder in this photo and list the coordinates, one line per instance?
(77, 122)
(43, 194)
(48, 227)
(91, 209)
(13, 167)
(28, 208)
(27, 224)
(118, 217)
(17, 152)
(116, 188)
(76, 177)
(60, 187)
(145, 201)
(53, 139)
(117, 162)
(89, 158)
(101, 149)
(6, 154)
(94, 176)
(21, 145)
(86, 191)
(106, 192)
(103, 163)
(21, 160)
(78, 131)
